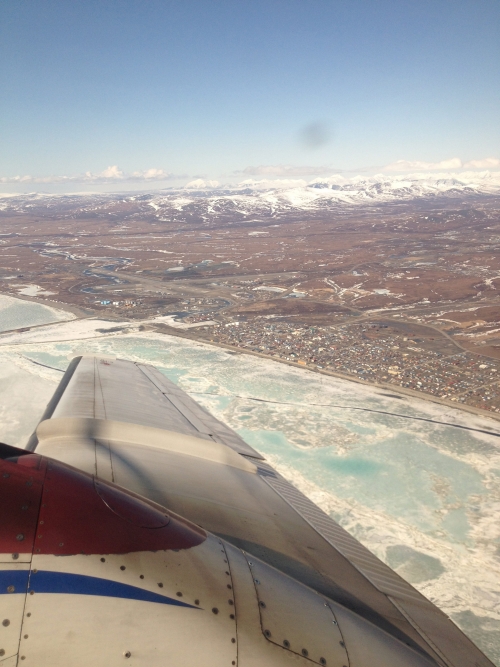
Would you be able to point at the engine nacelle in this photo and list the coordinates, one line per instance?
(91, 574)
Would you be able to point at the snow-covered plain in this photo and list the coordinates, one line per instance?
(423, 497)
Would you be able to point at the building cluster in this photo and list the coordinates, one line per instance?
(386, 358)
(126, 303)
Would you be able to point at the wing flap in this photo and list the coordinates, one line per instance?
(64, 433)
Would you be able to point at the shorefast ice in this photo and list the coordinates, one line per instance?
(423, 497)
(15, 313)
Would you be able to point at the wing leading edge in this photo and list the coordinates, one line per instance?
(126, 423)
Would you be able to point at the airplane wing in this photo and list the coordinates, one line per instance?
(296, 587)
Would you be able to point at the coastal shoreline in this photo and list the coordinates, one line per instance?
(49, 303)
(191, 335)
(357, 466)
(406, 393)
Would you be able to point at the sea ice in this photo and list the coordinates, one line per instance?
(15, 313)
(424, 497)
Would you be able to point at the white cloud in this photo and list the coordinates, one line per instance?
(285, 170)
(486, 163)
(452, 163)
(112, 174)
(150, 175)
(417, 165)
(265, 184)
(201, 184)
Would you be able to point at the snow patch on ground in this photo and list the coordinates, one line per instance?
(34, 290)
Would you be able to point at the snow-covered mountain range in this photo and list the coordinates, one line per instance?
(273, 198)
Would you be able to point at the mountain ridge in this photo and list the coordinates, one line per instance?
(272, 198)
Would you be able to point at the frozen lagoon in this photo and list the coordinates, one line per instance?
(15, 313)
(423, 497)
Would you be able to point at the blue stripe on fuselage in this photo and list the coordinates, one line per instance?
(14, 578)
(44, 581)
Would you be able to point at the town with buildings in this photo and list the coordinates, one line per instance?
(404, 295)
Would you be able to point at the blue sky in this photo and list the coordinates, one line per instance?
(164, 91)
